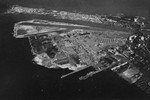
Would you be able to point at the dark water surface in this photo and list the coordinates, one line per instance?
(20, 79)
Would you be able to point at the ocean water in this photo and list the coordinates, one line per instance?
(20, 79)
